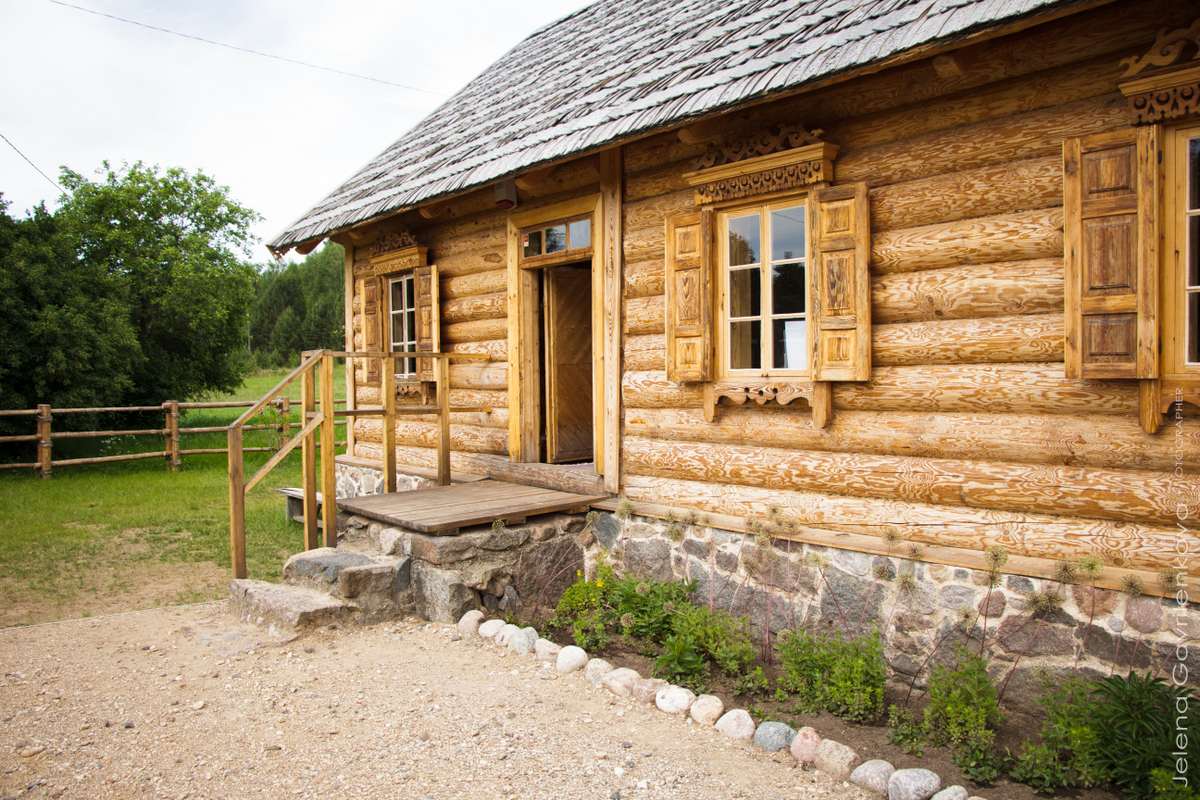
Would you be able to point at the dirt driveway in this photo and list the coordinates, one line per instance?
(189, 703)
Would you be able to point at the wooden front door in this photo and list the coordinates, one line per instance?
(568, 338)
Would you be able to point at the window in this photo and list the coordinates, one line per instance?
(551, 241)
(763, 284)
(402, 321)
(1181, 256)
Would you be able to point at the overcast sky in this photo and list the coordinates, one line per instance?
(78, 88)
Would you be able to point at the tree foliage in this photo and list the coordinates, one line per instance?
(299, 307)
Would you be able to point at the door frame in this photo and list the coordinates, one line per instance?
(524, 369)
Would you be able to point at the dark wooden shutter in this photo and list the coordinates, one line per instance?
(372, 319)
(1110, 196)
(839, 284)
(689, 319)
(428, 318)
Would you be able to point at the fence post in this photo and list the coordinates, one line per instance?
(328, 452)
(308, 450)
(237, 504)
(285, 425)
(172, 434)
(43, 432)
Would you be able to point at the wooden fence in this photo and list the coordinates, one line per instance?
(171, 433)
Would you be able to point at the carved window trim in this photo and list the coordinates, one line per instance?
(386, 266)
(1162, 89)
(760, 176)
(1174, 284)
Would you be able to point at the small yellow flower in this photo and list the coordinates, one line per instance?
(578, 573)
(600, 584)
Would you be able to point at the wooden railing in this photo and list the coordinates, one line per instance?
(312, 418)
(171, 433)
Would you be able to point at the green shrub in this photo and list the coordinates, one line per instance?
(584, 596)
(904, 731)
(963, 712)
(680, 663)
(589, 631)
(753, 682)
(842, 676)
(647, 608)
(1136, 728)
(1069, 754)
(1165, 787)
(721, 637)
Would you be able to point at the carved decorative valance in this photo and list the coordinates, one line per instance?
(1160, 89)
(788, 137)
(394, 240)
(786, 170)
(761, 392)
(399, 260)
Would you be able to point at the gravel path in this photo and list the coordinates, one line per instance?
(188, 702)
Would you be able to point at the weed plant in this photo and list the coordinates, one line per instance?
(680, 663)
(963, 713)
(844, 676)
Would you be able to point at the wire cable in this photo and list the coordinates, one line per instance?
(53, 182)
(244, 49)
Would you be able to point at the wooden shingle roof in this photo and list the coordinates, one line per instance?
(623, 68)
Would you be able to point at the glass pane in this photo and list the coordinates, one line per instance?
(791, 346)
(1193, 173)
(744, 245)
(410, 331)
(745, 345)
(397, 330)
(532, 244)
(1193, 254)
(1193, 327)
(787, 289)
(745, 293)
(581, 233)
(787, 233)
(556, 239)
(397, 291)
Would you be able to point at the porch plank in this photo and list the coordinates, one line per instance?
(446, 509)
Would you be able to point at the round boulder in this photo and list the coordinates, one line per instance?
(835, 759)
(596, 669)
(804, 746)
(952, 793)
(736, 724)
(707, 709)
(571, 658)
(913, 784)
(522, 641)
(490, 628)
(620, 681)
(674, 699)
(873, 775)
(468, 626)
(546, 650)
(774, 736)
(647, 688)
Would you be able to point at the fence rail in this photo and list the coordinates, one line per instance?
(171, 432)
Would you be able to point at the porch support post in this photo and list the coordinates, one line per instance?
(328, 452)
(308, 451)
(441, 369)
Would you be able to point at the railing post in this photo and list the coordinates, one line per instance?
(172, 434)
(237, 504)
(328, 452)
(43, 432)
(308, 398)
(441, 371)
(389, 424)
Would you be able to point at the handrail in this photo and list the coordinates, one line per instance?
(325, 419)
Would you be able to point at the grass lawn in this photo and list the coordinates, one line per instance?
(104, 538)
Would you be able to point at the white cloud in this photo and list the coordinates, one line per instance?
(79, 88)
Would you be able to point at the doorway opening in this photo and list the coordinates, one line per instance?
(565, 354)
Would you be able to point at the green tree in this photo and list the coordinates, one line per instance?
(175, 243)
(299, 306)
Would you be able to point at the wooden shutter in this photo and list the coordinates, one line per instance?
(689, 319)
(839, 284)
(372, 338)
(428, 318)
(1110, 196)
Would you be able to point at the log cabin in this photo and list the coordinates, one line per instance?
(894, 264)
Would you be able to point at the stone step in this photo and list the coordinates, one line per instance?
(378, 585)
(283, 609)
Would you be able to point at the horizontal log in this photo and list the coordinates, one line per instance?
(996, 388)
(661, 148)
(480, 306)
(1105, 442)
(1007, 237)
(655, 210)
(1067, 84)
(645, 352)
(496, 349)
(644, 278)
(479, 234)
(473, 261)
(479, 376)
(987, 191)
(644, 315)
(662, 179)
(1034, 134)
(647, 243)
(566, 479)
(1121, 544)
(479, 330)
(1037, 337)
(971, 291)
(1015, 388)
(494, 280)
(414, 433)
(1127, 495)
(367, 396)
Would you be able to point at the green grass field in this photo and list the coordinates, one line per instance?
(113, 537)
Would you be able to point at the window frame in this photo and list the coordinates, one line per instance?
(410, 373)
(568, 255)
(1175, 251)
(723, 272)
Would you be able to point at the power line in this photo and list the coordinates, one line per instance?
(244, 49)
(53, 182)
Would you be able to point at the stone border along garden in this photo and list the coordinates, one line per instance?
(806, 745)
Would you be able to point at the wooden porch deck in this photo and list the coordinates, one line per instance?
(446, 509)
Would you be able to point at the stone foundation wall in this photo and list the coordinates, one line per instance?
(785, 586)
(355, 481)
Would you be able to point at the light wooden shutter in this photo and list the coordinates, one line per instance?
(428, 318)
(839, 284)
(1110, 195)
(372, 319)
(689, 319)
